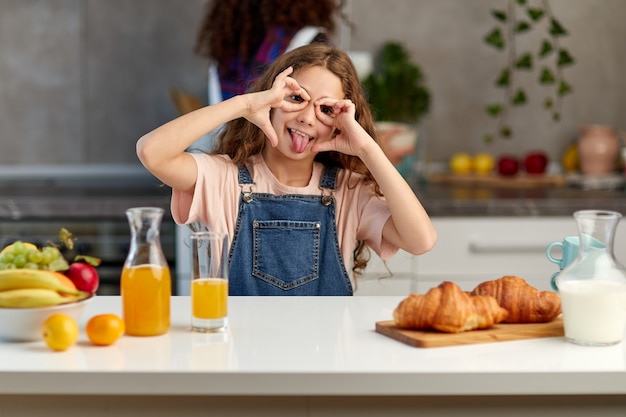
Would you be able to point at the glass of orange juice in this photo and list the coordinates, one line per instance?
(209, 282)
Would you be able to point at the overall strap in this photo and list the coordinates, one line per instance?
(328, 183)
(244, 175)
(329, 178)
(245, 183)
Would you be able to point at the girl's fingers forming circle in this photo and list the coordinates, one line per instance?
(329, 109)
(325, 114)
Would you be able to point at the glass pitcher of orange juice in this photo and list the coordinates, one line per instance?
(146, 283)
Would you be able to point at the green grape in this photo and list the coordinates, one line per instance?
(56, 253)
(34, 256)
(18, 248)
(49, 254)
(46, 256)
(59, 264)
(53, 259)
(31, 265)
(8, 258)
(3, 266)
(20, 260)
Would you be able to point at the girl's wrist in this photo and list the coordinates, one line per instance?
(242, 104)
(370, 152)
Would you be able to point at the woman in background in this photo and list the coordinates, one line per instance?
(241, 37)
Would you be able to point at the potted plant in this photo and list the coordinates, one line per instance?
(399, 98)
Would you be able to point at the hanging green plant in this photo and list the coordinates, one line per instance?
(520, 18)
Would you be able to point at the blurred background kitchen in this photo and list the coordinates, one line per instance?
(82, 80)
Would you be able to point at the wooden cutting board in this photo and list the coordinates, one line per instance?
(498, 333)
(493, 180)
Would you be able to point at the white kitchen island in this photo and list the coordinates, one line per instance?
(306, 356)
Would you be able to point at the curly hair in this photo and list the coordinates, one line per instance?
(241, 139)
(235, 28)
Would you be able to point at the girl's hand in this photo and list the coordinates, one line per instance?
(350, 137)
(261, 103)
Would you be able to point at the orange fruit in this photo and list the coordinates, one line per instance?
(104, 329)
(60, 332)
(64, 280)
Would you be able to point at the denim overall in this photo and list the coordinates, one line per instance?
(287, 244)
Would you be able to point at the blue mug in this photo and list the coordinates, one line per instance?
(569, 251)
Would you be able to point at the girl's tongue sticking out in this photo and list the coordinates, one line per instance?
(300, 140)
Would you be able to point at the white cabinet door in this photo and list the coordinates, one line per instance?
(470, 250)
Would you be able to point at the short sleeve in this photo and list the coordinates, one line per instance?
(213, 201)
(362, 214)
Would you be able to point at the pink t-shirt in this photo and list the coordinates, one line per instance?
(361, 213)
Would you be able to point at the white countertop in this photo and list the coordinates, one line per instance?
(305, 346)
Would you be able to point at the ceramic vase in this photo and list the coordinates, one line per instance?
(598, 150)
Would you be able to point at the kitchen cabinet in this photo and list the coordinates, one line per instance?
(474, 249)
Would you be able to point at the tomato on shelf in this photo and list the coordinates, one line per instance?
(508, 165)
(536, 162)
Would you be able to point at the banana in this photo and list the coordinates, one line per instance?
(11, 279)
(34, 297)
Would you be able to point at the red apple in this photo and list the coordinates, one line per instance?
(84, 276)
(535, 162)
(508, 165)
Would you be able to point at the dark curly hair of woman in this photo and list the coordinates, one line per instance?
(234, 29)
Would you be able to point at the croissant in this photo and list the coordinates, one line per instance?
(448, 309)
(525, 303)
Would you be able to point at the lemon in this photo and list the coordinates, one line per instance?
(461, 163)
(60, 332)
(483, 163)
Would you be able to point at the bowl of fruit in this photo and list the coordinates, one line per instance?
(36, 283)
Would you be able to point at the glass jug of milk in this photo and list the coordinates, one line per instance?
(593, 287)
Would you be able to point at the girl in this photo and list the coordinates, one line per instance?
(297, 180)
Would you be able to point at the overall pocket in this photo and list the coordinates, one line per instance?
(286, 252)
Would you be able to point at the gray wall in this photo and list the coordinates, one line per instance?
(82, 80)
(445, 37)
